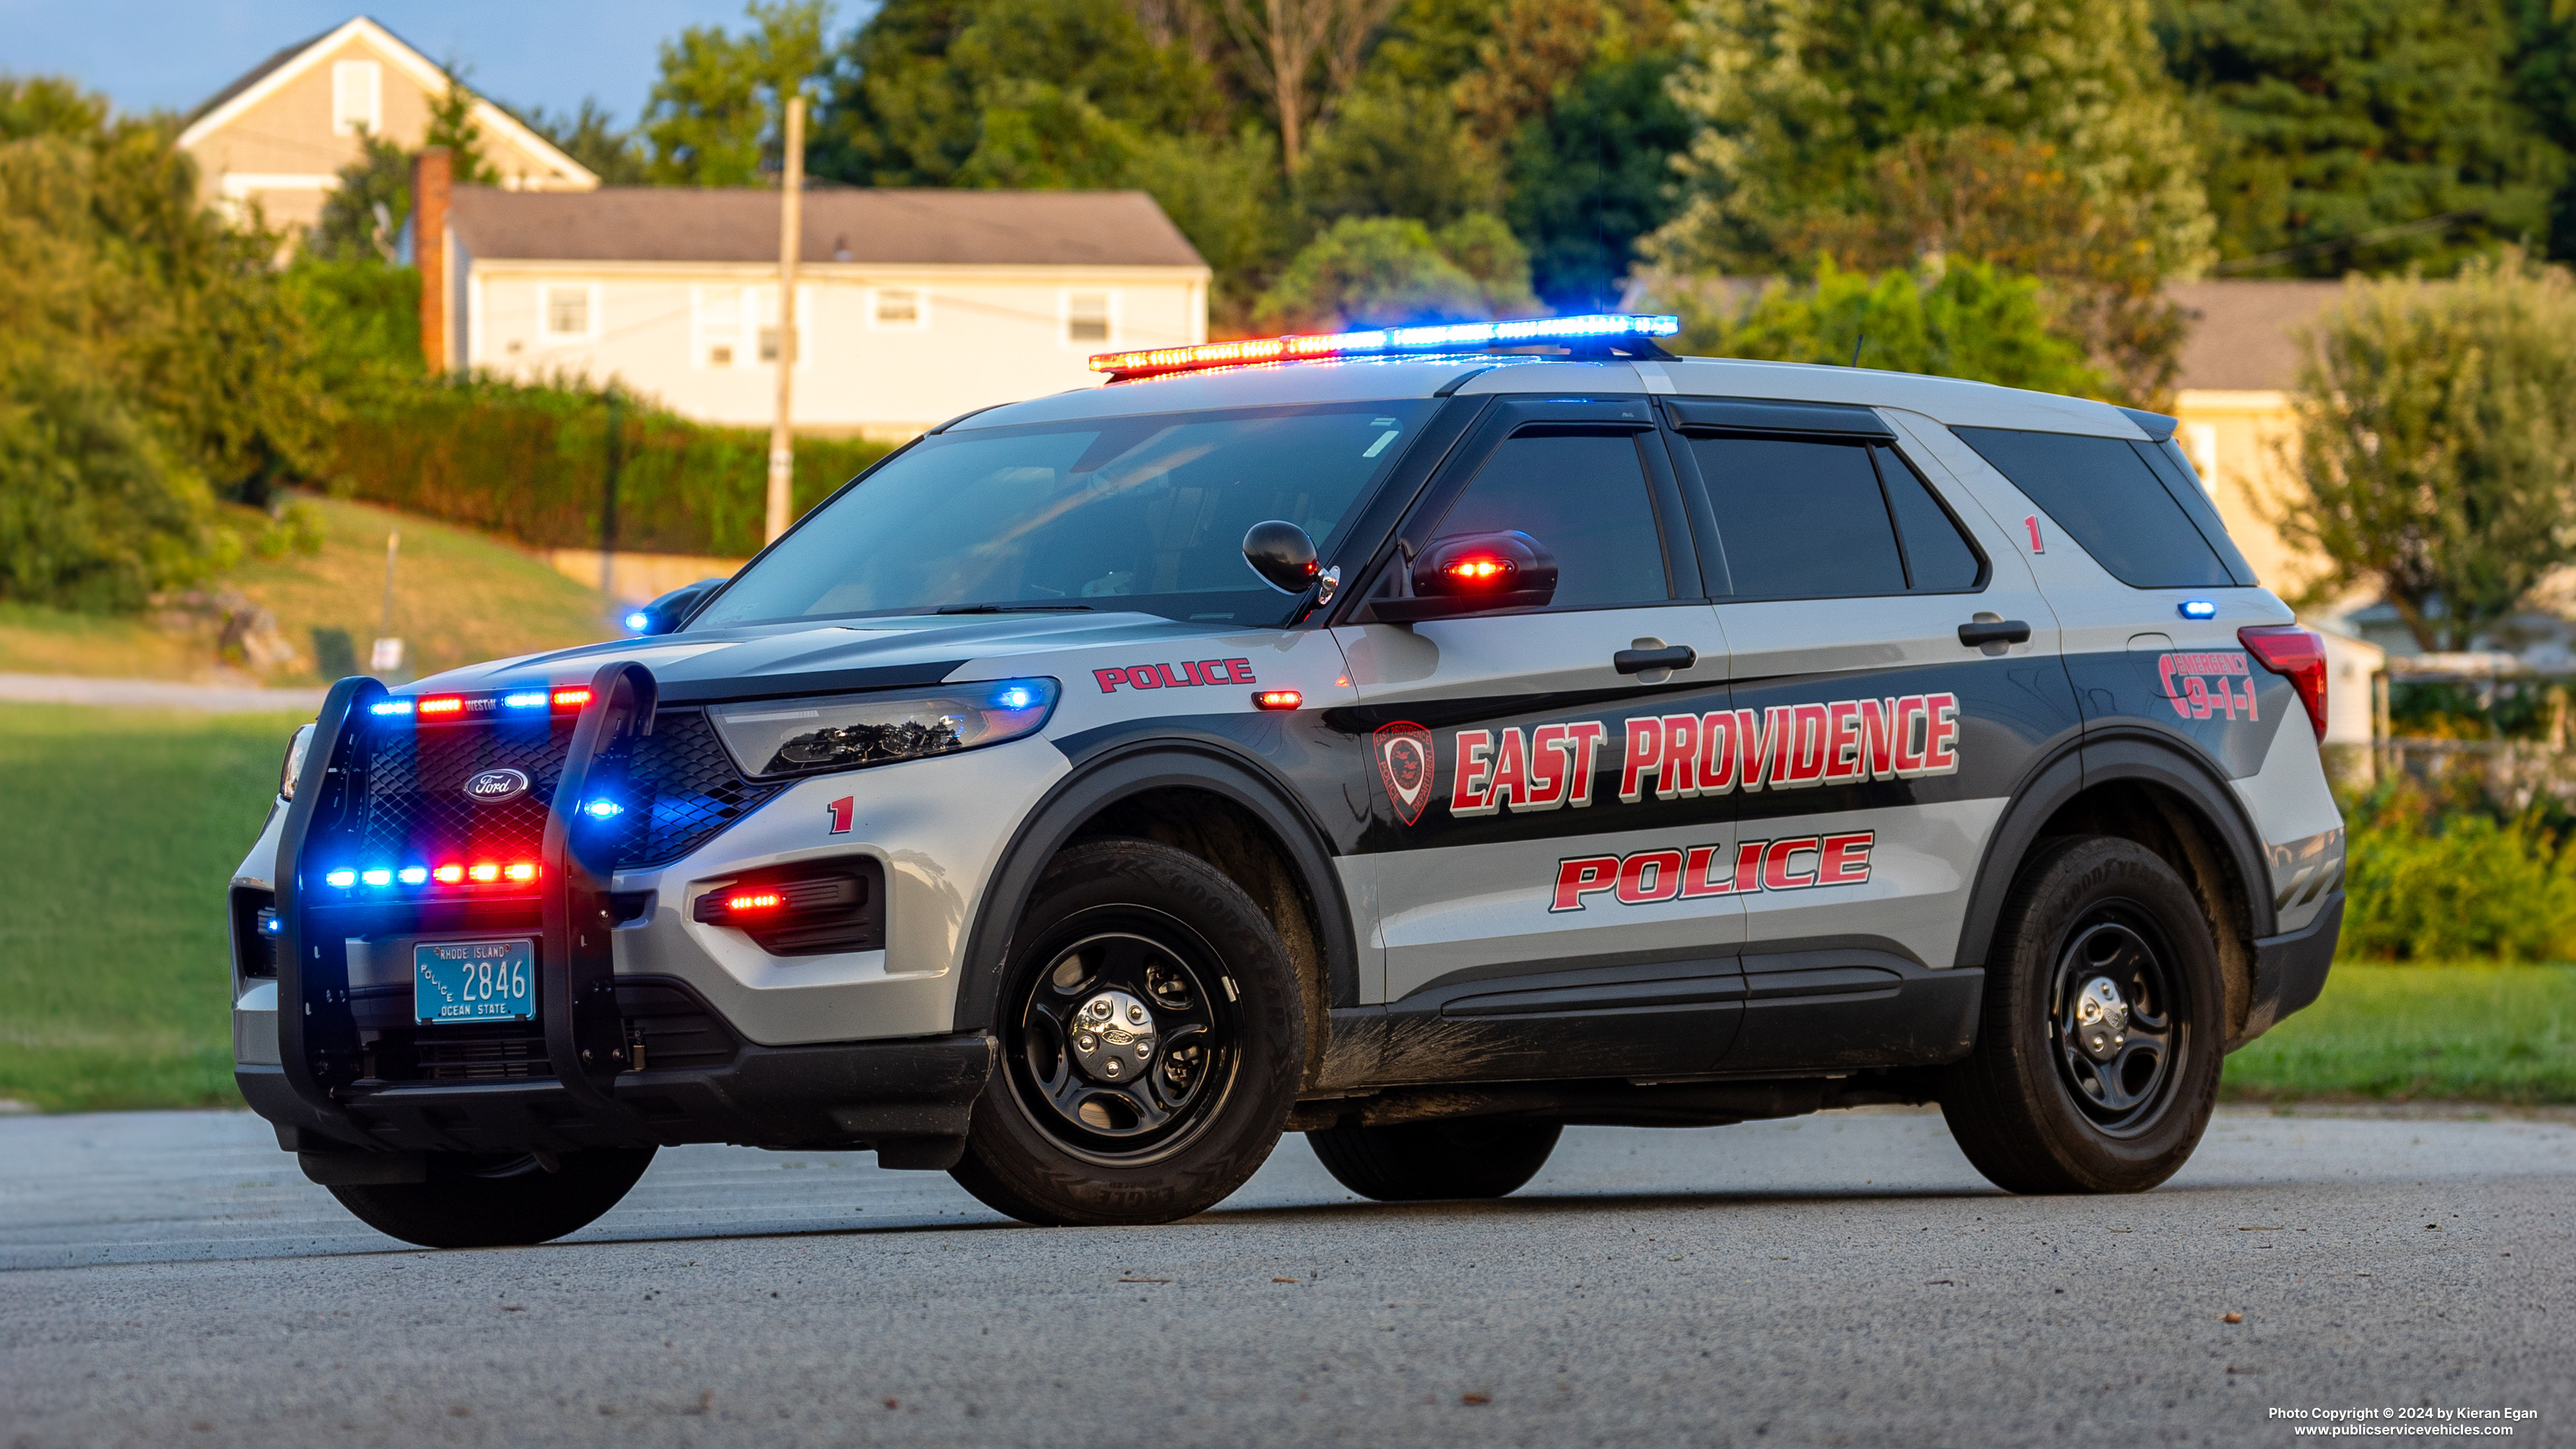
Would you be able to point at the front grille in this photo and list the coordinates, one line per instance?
(678, 786)
(671, 1028)
(515, 1057)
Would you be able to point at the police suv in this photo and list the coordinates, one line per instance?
(1422, 740)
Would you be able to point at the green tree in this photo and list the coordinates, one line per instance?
(1395, 152)
(2544, 80)
(714, 115)
(2436, 457)
(1229, 199)
(1963, 319)
(452, 125)
(937, 93)
(149, 356)
(1593, 173)
(2334, 126)
(1386, 271)
(1796, 98)
(591, 136)
(1981, 195)
(364, 213)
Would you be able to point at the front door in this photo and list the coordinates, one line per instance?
(1525, 862)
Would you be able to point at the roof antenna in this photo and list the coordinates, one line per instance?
(1856, 342)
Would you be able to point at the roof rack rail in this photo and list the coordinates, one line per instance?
(1602, 335)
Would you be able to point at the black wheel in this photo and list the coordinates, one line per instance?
(2097, 1057)
(1421, 1161)
(1152, 1036)
(499, 1201)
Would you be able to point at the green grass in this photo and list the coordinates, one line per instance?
(2503, 1034)
(118, 832)
(459, 598)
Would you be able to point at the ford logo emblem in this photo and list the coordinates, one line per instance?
(496, 785)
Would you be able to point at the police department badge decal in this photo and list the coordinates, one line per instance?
(1404, 764)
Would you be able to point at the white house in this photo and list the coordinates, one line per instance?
(912, 306)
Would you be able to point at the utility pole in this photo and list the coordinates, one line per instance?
(791, 227)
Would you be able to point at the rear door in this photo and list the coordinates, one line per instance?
(1511, 823)
(1874, 750)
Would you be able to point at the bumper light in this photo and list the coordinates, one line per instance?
(800, 737)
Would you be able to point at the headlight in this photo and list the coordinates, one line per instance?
(805, 736)
(294, 762)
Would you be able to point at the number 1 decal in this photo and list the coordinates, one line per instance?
(842, 812)
(2032, 523)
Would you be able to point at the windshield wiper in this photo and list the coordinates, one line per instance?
(1011, 608)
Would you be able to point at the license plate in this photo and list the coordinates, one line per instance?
(456, 981)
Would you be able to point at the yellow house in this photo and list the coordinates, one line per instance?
(276, 138)
(2240, 364)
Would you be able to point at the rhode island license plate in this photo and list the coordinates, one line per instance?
(454, 981)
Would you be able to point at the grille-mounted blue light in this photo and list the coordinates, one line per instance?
(341, 878)
(2199, 609)
(390, 706)
(525, 699)
(602, 809)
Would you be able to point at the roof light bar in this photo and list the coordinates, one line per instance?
(1443, 337)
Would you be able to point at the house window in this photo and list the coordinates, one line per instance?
(1086, 318)
(899, 309)
(568, 311)
(357, 97)
(716, 324)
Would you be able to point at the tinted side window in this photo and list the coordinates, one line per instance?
(1800, 520)
(1938, 559)
(1584, 497)
(2106, 498)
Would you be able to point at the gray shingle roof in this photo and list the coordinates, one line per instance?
(883, 226)
(2245, 335)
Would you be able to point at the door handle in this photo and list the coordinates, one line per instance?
(1994, 631)
(1671, 656)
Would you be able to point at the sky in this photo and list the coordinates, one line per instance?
(523, 53)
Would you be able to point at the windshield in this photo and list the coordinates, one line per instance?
(1137, 513)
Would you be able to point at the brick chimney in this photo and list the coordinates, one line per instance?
(430, 176)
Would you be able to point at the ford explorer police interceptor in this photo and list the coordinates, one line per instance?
(1422, 740)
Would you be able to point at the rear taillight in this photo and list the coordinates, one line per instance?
(2297, 655)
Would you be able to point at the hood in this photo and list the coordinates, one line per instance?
(773, 661)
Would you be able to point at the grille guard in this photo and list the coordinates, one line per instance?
(317, 1033)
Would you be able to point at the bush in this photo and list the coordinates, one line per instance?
(94, 514)
(2456, 887)
(531, 462)
(1387, 271)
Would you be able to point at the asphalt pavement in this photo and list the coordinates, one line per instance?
(170, 1279)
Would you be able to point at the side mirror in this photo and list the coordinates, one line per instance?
(1470, 573)
(670, 611)
(1282, 554)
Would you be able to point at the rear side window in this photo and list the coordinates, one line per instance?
(1803, 519)
(1583, 496)
(2105, 497)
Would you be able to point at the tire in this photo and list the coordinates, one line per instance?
(2111, 1095)
(1152, 1036)
(498, 1202)
(1425, 1161)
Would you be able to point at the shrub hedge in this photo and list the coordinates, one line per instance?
(531, 462)
(2426, 886)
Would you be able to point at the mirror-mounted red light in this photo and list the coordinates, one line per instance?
(1480, 571)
